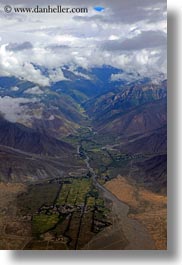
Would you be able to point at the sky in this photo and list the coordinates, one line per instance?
(127, 34)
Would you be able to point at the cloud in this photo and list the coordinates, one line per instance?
(34, 91)
(128, 34)
(144, 40)
(14, 109)
(12, 65)
(19, 46)
(128, 11)
(125, 76)
(15, 88)
(56, 75)
(57, 47)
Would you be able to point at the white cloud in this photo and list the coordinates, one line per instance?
(125, 76)
(34, 91)
(15, 109)
(56, 75)
(82, 36)
(14, 65)
(15, 88)
(113, 37)
(51, 118)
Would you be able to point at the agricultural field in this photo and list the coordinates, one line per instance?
(65, 213)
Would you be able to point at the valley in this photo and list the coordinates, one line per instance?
(83, 126)
(84, 169)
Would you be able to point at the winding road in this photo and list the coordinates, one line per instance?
(125, 233)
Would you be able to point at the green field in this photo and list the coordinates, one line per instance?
(69, 213)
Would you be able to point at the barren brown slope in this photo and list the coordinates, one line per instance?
(25, 139)
(145, 206)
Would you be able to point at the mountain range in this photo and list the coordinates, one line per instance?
(115, 104)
